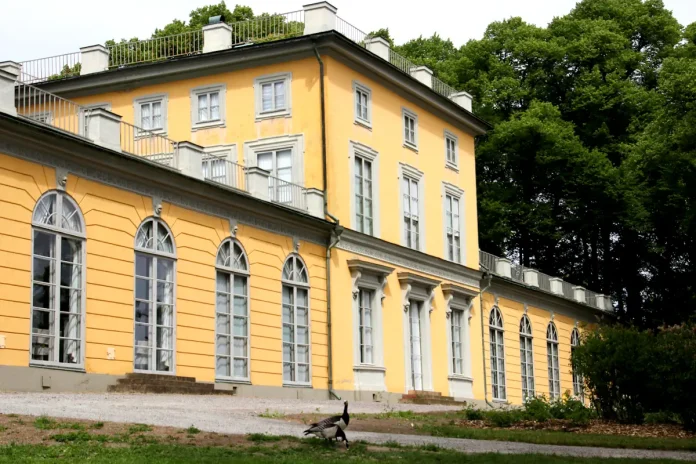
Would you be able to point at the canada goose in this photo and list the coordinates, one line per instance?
(332, 427)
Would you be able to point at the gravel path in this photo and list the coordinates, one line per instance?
(236, 415)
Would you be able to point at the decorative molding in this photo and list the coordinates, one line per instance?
(409, 280)
(405, 294)
(157, 205)
(526, 308)
(61, 178)
(145, 187)
(233, 227)
(463, 296)
(398, 255)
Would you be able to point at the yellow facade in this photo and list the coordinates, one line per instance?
(113, 215)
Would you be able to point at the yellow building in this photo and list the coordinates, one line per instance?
(291, 217)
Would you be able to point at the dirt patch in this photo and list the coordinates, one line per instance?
(414, 425)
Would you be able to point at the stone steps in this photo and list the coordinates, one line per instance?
(158, 383)
(426, 397)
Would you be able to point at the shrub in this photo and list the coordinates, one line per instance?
(504, 417)
(474, 414)
(661, 417)
(537, 409)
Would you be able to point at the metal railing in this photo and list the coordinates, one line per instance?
(487, 260)
(591, 297)
(287, 193)
(155, 49)
(151, 146)
(544, 281)
(45, 108)
(568, 291)
(50, 68)
(224, 171)
(268, 27)
(350, 31)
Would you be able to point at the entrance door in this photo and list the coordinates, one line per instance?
(414, 314)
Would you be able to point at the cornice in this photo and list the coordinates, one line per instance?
(368, 267)
(398, 255)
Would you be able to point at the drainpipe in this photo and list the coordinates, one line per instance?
(486, 277)
(338, 229)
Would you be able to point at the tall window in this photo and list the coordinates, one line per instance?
(366, 345)
(495, 326)
(363, 195)
(456, 321)
(232, 312)
(209, 106)
(410, 129)
(279, 164)
(411, 213)
(151, 115)
(296, 355)
(154, 297)
(363, 111)
(526, 358)
(57, 315)
(451, 149)
(452, 228)
(578, 382)
(552, 354)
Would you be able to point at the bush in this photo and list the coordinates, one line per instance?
(661, 417)
(630, 372)
(537, 409)
(504, 417)
(474, 414)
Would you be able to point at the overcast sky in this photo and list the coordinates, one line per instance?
(32, 29)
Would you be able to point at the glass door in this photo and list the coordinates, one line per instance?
(415, 336)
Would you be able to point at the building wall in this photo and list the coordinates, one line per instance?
(112, 216)
(512, 311)
(241, 124)
(386, 137)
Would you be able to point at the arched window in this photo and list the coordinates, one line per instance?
(578, 382)
(57, 316)
(155, 306)
(495, 325)
(526, 358)
(296, 353)
(552, 354)
(232, 312)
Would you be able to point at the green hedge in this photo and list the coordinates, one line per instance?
(629, 373)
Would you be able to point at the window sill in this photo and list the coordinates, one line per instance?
(500, 401)
(451, 166)
(365, 124)
(368, 367)
(279, 114)
(460, 377)
(296, 385)
(411, 147)
(208, 125)
(234, 381)
(57, 367)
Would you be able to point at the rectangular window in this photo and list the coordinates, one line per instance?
(151, 115)
(456, 320)
(451, 149)
(363, 104)
(527, 365)
(452, 226)
(410, 129)
(272, 95)
(363, 195)
(232, 326)
(295, 335)
(411, 213)
(497, 364)
(208, 106)
(366, 345)
(280, 186)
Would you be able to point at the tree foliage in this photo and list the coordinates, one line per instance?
(589, 171)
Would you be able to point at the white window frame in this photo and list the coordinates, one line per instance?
(295, 285)
(362, 88)
(454, 353)
(412, 144)
(578, 381)
(449, 136)
(155, 255)
(293, 142)
(197, 124)
(358, 150)
(59, 232)
(527, 348)
(286, 77)
(409, 172)
(496, 335)
(231, 272)
(366, 302)
(457, 194)
(553, 362)
(163, 98)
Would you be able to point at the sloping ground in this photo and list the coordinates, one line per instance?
(239, 416)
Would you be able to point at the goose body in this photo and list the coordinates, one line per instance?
(332, 427)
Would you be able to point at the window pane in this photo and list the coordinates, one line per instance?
(43, 270)
(279, 89)
(145, 117)
(43, 296)
(157, 115)
(265, 161)
(44, 244)
(240, 347)
(214, 105)
(45, 211)
(142, 312)
(222, 366)
(203, 107)
(70, 300)
(267, 97)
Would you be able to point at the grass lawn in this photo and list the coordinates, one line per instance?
(453, 424)
(280, 451)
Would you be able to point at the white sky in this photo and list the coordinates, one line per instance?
(32, 29)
